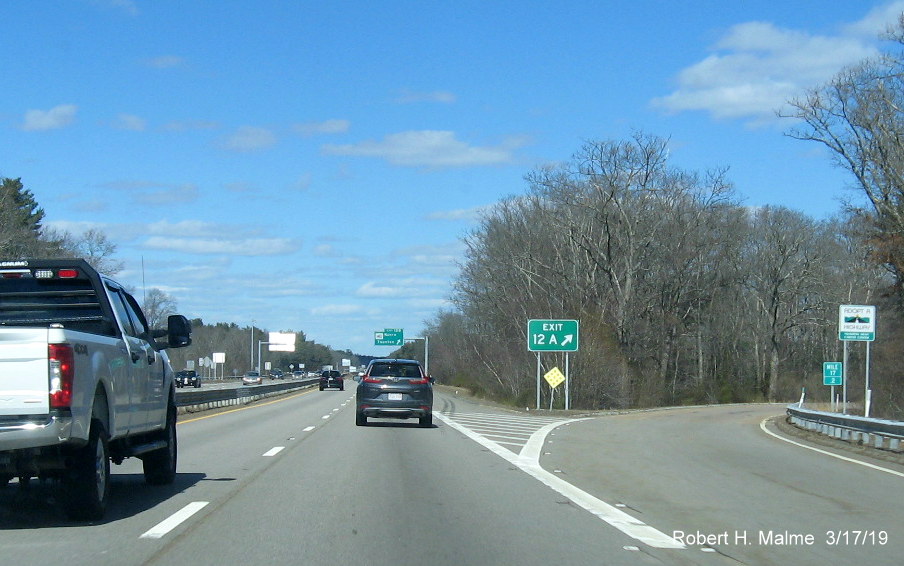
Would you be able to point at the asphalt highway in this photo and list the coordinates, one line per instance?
(292, 480)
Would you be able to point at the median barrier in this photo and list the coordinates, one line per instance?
(196, 400)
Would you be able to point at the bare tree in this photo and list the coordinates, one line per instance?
(157, 306)
(859, 117)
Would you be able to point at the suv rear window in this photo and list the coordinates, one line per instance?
(395, 369)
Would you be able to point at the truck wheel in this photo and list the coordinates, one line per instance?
(86, 483)
(160, 465)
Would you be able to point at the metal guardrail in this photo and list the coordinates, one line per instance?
(878, 433)
(194, 400)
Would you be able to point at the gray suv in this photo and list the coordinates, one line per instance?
(394, 388)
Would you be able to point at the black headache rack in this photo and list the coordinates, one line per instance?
(44, 292)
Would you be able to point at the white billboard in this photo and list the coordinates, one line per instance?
(281, 342)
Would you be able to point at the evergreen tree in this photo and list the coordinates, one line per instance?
(23, 204)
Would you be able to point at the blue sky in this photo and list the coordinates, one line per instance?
(313, 166)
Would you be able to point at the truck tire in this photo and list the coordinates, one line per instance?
(86, 483)
(160, 465)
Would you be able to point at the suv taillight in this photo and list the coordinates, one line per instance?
(422, 381)
(61, 363)
(369, 379)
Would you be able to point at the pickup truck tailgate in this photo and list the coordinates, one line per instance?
(23, 371)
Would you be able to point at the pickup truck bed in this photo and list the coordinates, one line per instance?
(83, 382)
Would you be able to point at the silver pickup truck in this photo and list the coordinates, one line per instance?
(83, 381)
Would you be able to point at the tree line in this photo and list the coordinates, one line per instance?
(683, 294)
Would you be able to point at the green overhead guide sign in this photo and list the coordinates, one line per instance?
(389, 337)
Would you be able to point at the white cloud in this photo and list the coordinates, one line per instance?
(431, 304)
(757, 67)
(177, 126)
(193, 228)
(169, 195)
(325, 127)
(243, 247)
(371, 289)
(400, 288)
(325, 250)
(53, 119)
(877, 20)
(72, 227)
(461, 214)
(250, 138)
(429, 148)
(130, 122)
(333, 310)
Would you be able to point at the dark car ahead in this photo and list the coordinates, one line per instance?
(331, 378)
(187, 378)
(397, 389)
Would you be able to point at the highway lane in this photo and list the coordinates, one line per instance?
(292, 480)
(394, 493)
(712, 471)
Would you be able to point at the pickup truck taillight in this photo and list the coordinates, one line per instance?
(62, 370)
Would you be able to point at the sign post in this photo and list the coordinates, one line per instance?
(856, 323)
(545, 335)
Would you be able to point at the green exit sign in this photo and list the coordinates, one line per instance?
(552, 335)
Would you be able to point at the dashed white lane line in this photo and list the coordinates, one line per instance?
(274, 451)
(164, 527)
(308, 429)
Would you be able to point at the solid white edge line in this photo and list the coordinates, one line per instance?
(274, 451)
(840, 457)
(164, 527)
(615, 517)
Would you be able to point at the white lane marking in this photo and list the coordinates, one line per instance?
(308, 429)
(164, 527)
(274, 451)
(615, 517)
(325, 417)
(840, 457)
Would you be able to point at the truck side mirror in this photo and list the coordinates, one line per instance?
(178, 331)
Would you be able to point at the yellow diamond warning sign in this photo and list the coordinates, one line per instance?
(554, 377)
